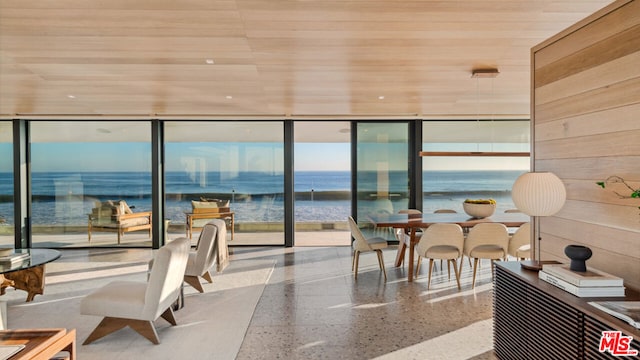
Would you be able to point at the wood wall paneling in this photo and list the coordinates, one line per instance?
(586, 32)
(617, 119)
(586, 120)
(606, 97)
(593, 168)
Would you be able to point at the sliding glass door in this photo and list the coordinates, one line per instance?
(322, 182)
(6, 183)
(460, 172)
(85, 176)
(234, 165)
(382, 172)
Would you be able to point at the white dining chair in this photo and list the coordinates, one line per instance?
(363, 244)
(443, 242)
(486, 241)
(520, 242)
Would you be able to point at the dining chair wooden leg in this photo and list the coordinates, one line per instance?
(356, 256)
(455, 271)
(353, 260)
(381, 262)
(461, 262)
(475, 267)
(431, 264)
(418, 265)
(449, 269)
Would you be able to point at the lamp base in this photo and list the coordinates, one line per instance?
(536, 265)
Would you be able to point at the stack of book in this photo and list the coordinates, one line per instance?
(13, 258)
(592, 283)
(628, 311)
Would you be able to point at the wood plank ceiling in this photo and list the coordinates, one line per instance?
(273, 58)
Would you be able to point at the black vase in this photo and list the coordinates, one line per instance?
(579, 255)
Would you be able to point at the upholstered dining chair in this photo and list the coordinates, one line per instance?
(444, 242)
(486, 241)
(137, 304)
(445, 211)
(449, 211)
(362, 244)
(520, 242)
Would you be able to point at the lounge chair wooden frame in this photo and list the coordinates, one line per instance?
(118, 224)
(224, 213)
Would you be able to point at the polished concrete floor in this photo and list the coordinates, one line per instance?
(313, 308)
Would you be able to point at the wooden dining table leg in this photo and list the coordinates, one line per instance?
(412, 245)
(401, 249)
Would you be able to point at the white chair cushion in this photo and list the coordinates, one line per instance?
(135, 222)
(524, 252)
(123, 299)
(487, 252)
(375, 244)
(443, 252)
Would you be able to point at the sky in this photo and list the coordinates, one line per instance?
(308, 157)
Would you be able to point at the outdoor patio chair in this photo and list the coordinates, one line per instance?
(117, 216)
(204, 210)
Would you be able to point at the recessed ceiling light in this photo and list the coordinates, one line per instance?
(71, 96)
(381, 97)
(229, 97)
(209, 61)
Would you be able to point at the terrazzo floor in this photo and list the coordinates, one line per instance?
(313, 308)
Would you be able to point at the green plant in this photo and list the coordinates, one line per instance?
(480, 201)
(635, 193)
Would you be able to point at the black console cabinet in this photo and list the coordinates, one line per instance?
(535, 320)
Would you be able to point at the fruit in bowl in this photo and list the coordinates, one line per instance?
(479, 208)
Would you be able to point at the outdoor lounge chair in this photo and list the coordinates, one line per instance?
(116, 216)
(205, 210)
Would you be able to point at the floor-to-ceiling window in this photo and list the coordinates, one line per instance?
(382, 169)
(234, 163)
(86, 172)
(322, 182)
(6, 183)
(463, 170)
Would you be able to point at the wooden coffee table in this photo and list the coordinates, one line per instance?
(29, 274)
(40, 343)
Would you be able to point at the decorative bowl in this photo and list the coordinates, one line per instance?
(479, 210)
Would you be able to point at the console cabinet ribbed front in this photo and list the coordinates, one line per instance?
(535, 320)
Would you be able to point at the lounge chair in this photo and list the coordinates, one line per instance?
(116, 216)
(206, 210)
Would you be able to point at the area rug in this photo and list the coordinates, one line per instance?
(211, 325)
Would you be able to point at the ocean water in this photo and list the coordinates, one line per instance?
(66, 198)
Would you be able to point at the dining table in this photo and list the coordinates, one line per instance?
(411, 223)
